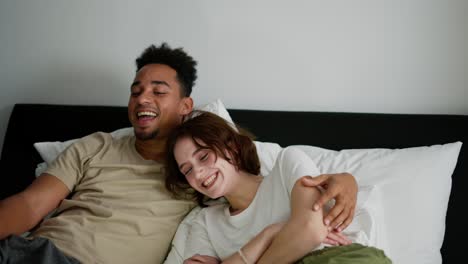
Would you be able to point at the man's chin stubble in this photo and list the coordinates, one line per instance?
(146, 136)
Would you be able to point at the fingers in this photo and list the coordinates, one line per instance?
(344, 240)
(197, 258)
(309, 181)
(336, 222)
(326, 241)
(194, 259)
(336, 238)
(323, 199)
(340, 216)
(347, 221)
(330, 219)
(343, 188)
(191, 261)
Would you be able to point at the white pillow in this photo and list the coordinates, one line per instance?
(50, 150)
(415, 186)
(216, 107)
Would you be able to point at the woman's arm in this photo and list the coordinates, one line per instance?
(254, 249)
(303, 231)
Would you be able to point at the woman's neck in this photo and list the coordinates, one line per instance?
(244, 193)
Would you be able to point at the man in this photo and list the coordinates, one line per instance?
(111, 203)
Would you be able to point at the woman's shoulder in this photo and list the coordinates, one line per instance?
(290, 153)
(213, 209)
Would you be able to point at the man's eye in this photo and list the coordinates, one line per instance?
(159, 91)
(134, 94)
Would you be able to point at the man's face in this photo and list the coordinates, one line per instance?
(155, 106)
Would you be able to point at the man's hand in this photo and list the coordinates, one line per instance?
(343, 188)
(195, 259)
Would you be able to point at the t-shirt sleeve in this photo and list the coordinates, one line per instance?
(198, 241)
(70, 165)
(293, 164)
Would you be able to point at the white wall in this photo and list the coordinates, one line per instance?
(394, 56)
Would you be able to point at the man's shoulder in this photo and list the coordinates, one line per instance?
(93, 143)
(104, 138)
(96, 136)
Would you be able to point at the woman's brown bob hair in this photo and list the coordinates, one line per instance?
(212, 132)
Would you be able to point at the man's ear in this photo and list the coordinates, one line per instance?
(186, 105)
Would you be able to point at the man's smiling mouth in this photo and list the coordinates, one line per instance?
(146, 114)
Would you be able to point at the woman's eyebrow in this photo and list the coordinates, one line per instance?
(193, 154)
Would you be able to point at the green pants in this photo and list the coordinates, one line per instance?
(350, 254)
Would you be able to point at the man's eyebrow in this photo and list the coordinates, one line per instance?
(193, 154)
(136, 83)
(160, 83)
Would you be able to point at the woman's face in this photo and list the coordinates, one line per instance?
(213, 176)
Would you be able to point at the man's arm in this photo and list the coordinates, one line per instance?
(21, 212)
(342, 187)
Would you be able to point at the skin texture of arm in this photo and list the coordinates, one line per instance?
(256, 246)
(341, 186)
(253, 249)
(21, 212)
(303, 231)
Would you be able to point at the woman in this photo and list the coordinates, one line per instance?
(266, 219)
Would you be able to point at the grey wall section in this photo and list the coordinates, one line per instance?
(399, 56)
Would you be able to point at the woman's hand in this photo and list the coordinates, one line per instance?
(336, 239)
(343, 188)
(195, 259)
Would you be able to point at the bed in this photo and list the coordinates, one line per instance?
(31, 123)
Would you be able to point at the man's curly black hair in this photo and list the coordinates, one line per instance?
(177, 59)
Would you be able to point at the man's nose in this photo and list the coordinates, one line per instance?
(144, 98)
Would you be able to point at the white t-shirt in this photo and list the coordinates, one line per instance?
(216, 233)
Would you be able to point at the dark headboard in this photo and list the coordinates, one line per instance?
(31, 123)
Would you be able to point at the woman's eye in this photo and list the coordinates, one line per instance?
(204, 157)
(187, 171)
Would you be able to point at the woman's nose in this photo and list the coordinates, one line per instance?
(199, 171)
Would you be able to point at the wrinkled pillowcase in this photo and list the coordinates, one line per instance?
(414, 185)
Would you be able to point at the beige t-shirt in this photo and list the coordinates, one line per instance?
(119, 211)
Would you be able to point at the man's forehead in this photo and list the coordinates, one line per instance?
(156, 72)
(156, 69)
